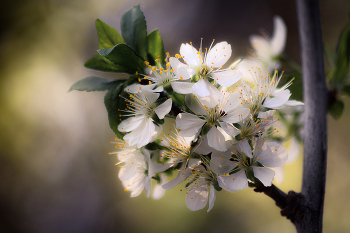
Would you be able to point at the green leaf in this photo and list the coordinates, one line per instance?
(205, 129)
(123, 56)
(101, 63)
(107, 36)
(296, 88)
(133, 79)
(156, 119)
(336, 109)
(95, 84)
(342, 64)
(346, 90)
(134, 30)
(155, 48)
(115, 105)
(330, 55)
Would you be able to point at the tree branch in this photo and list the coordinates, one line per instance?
(315, 128)
(275, 193)
(305, 209)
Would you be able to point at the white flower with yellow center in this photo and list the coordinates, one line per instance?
(263, 92)
(140, 108)
(158, 78)
(242, 161)
(222, 115)
(205, 65)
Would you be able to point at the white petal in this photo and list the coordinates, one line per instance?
(163, 109)
(158, 191)
(232, 102)
(158, 89)
(278, 40)
(274, 155)
(181, 176)
(220, 162)
(155, 168)
(229, 129)
(245, 148)
(157, 131)
(197, 197)
(266, 114)
(194, 105)
(278, 101)
(216, 140)
(188, 124)
(261, 47)
(147, 186)
(232, 183)
(182, 87)
(215, 96)
(128, 170)
(294, 103)
(236, 116)
(200, 88)
(142, 135)
(203, 148)
(228, 77)
(150, 97)
(218, 55)
(181, 70)
(294, 151)
(264, 174)
(189, 54)
(246, 65)
(279, 174)
(211, 197)
(137, 88)
(130, 123)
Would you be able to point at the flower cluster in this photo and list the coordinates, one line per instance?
(220, 138)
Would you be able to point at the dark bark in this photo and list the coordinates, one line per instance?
(315, 126)
(305, 209)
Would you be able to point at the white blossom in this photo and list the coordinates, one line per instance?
(204, 65)
(263, 92)
(222, 115)
(244, 160)
(266, 49)
(140, 124)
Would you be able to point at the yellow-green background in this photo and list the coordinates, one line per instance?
(55, 171)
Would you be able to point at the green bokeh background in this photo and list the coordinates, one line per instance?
(55, 171)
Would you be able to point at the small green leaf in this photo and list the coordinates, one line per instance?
(95, 84)
(336, 109)
(346, 90)
(101, 63)
(296, 88)
(115, 105)
(123, 56)
(330, 55)
(342, 65)
(134, 30)
(160, 101)
(216, 186)
(107, 36)
(133, 79)
(155, 48)
(205, 129)
(156, 119)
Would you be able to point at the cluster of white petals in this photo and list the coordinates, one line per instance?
(220, 138)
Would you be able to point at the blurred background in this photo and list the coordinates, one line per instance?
(55, 171)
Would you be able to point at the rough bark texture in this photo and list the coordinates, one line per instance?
(305, 209)
(315, 125)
